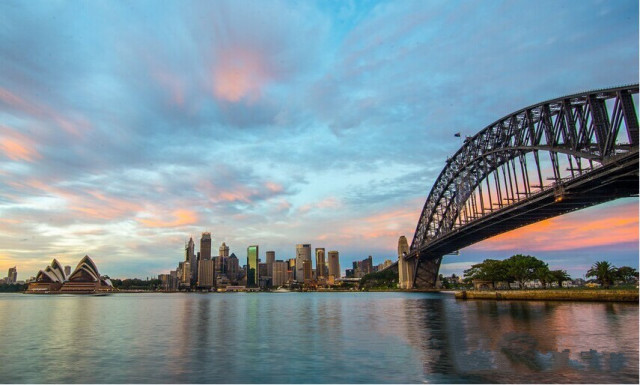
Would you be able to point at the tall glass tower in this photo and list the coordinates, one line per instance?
(320, 263)
(252, 266)
(303, 253)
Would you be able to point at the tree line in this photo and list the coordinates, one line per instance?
(522, 268)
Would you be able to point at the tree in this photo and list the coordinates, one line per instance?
(544, 275)
(560, 276)
(522, 268)
(385, 279)
(627, 274)
(489, 270)
(604, 272)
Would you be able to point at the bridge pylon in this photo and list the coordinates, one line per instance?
(405, 266)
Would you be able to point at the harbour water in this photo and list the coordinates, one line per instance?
(313, 338)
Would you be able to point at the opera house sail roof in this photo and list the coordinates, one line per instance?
(85, 279)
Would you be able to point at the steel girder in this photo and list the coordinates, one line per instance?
(578, 127)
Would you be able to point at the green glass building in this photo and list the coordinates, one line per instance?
(252, 266)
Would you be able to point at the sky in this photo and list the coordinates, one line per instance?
(128, 126)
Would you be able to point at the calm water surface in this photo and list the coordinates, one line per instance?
(312, 338)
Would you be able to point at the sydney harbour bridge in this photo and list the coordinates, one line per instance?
(539, 162)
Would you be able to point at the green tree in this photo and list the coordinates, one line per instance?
(489, 270)
(385, 279)
(627, 274)
(560, 276)
(544, 275)
(522, 268)
(604, 272)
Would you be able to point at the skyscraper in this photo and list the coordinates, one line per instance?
(292, 268)
(320, 262)
(13, 275)
(303, 253)
(205, 246)
(334, 264)
(271, 257)
(205, 274)
(224, 250)
(252, 266)
(279, 273)
(307, 271)
(67, 271)
(186, 274)
(233, 268)
(190, 256)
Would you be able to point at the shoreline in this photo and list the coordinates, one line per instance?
(605, 295)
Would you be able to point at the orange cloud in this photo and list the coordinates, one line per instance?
(572, 231)
(180, 218)
(239, 74)
(17, 147)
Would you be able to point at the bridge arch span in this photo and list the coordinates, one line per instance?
(542, 161)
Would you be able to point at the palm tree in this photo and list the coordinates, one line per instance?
(604, 272)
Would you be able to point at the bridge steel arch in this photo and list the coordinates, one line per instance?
(541, 161)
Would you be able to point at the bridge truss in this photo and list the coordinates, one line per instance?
(542, 161)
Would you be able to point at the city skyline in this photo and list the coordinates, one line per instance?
(122, 129)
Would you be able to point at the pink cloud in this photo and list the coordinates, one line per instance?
(239, 74)
(180, 218)
(16, 146)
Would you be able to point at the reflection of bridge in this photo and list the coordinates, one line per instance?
(498, 180)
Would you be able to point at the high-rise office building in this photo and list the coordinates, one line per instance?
(307, 271)
(174, 279)
(292, 268)
(186, 274)
(334, 264)
(224, 250)
(190, 256)
(320, 264)
(303, 253)
(233, 268)
(67, 271)
(205, 246)
(252, 266)
(12, 277)
(205, 273)
(279, 277)
(271, 257)
(223, 255)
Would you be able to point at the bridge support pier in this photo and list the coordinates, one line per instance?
(405, 267)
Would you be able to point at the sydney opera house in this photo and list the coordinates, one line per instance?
(85, 279)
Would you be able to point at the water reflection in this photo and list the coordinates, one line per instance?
(313, 338)
(525, 342)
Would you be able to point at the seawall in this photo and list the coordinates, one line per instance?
(552, 295)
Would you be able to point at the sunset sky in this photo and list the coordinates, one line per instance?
(127, 126)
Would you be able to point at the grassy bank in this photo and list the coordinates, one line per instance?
(553, 295)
